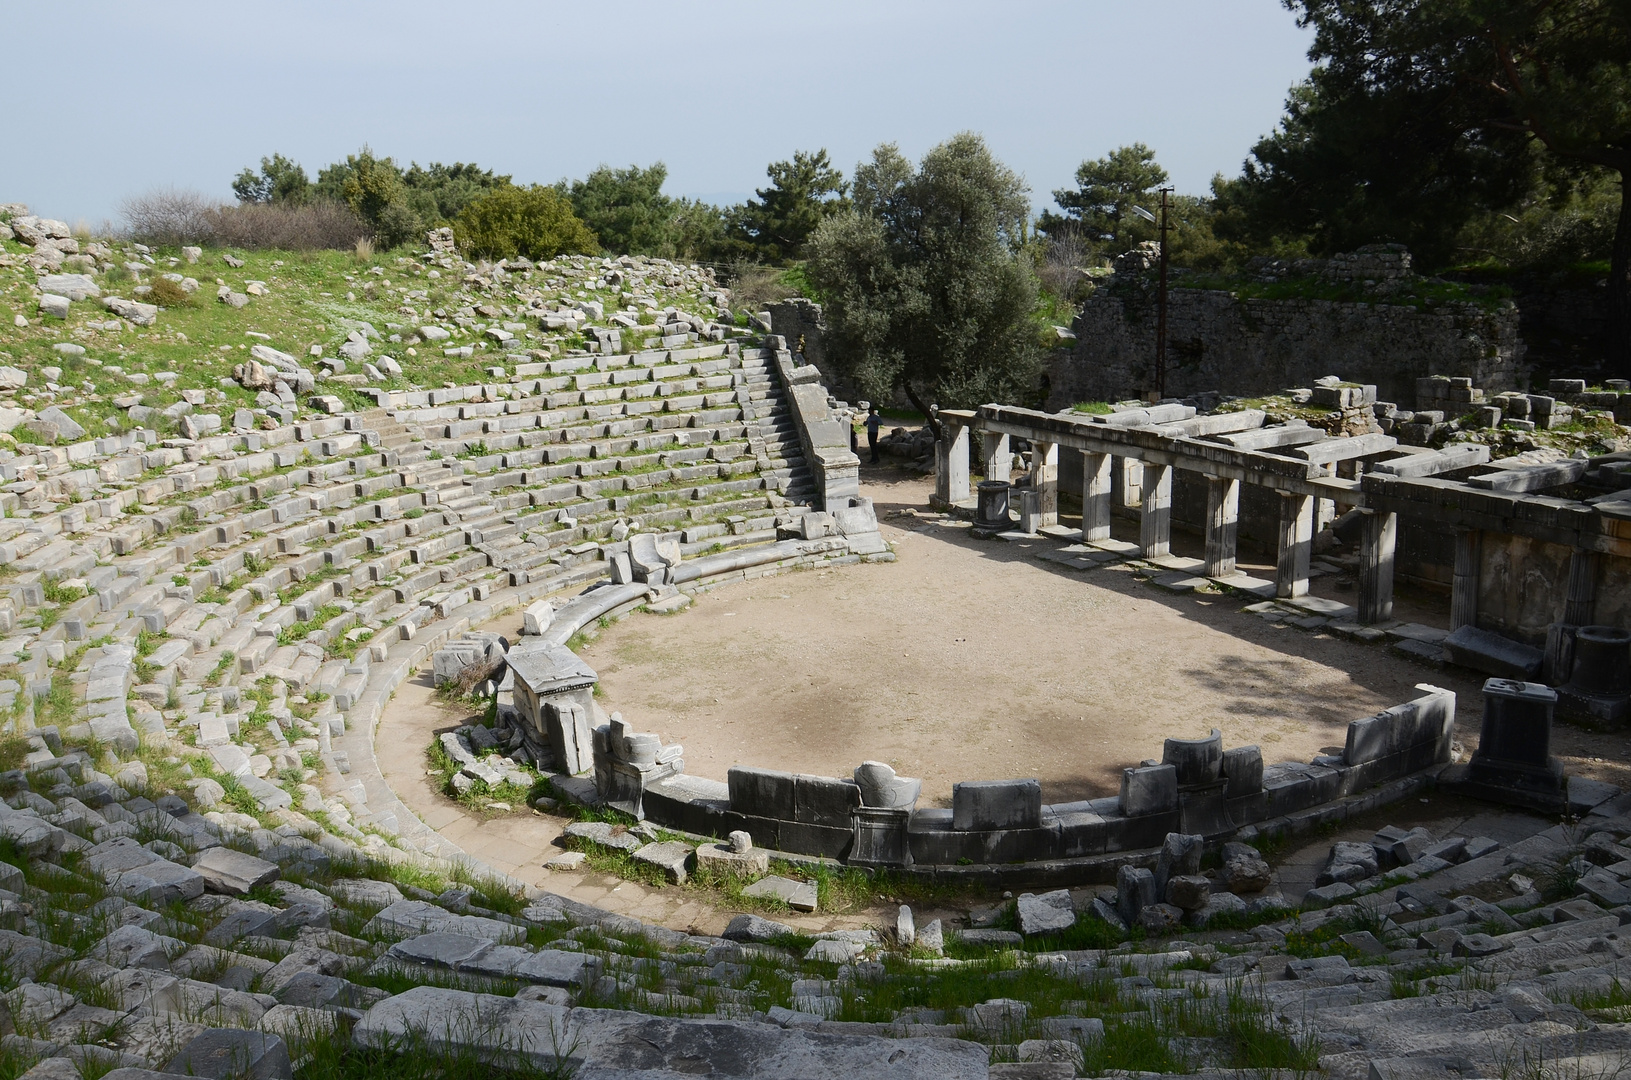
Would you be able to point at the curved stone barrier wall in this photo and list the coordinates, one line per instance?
(1215, 793)
(872, 818)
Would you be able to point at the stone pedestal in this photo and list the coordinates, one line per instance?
(1031, 515)
(1045, 479)
(1202, 787)
(992, 512)
(1514, 763)
(554, 703)
(1599, 688)
(1198, 761)
(627, 762)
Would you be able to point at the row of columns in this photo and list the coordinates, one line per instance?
(1148, 486)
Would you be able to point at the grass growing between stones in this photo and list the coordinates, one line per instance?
(478, 799)
(417, 1056)
(13, 748)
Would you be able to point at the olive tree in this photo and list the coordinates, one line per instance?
(927, 285)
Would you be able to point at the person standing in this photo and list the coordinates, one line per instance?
(873, 422)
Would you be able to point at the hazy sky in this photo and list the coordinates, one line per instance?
(164, 93)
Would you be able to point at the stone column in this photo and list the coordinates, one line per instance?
(998, 458)
(958, 470)
(1045, 479)
(1155, 518)
(1464, 587)
(1222, 520)
(1579, 608)
(942, 475)
(1296, 546)
(1130, 472)
(951, 466)
(1580, 601)
(1095, 496)
(1381, 530)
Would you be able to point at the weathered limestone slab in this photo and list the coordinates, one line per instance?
(996, 804)
(234, 872)
(1493, 654)
(418, 916)
(601, 1044)
(798, 895)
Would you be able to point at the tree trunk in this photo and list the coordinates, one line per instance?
(917, 403)
(1619, 290)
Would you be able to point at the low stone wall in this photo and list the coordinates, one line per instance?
(1218, 341)
(1199, 788)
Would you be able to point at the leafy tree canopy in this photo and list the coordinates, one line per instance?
(1422, 115)
(533, 221)
(802, 193)
(626, 208)
(438, 192)
(1100, 206)
(928, 285)
(279, 180)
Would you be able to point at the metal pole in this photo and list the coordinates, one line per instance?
(1161, 309)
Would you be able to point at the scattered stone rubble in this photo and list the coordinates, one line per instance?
(139, 933)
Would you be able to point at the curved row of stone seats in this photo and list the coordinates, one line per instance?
(258, 553)
(1199, 788)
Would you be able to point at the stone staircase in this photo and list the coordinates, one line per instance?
(775, 439)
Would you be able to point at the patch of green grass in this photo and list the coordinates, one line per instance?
(222, 667)
(1092, 408)
(58, 593)
(472, 1055)
(298, 631)
(13, 748)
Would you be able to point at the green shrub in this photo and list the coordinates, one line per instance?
(533, 221)
(170, 293)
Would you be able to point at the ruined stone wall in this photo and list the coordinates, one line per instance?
(801, 323)
(1521, 586)
(1217, 341)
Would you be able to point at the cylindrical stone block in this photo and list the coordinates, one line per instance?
(993, 511)
(1198, 761)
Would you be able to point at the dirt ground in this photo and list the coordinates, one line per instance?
(970, 659)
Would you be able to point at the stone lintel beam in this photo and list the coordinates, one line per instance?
(1539, 517)
(1290, 433)
(1329, 451)
(1151, 446)
(1214, 424)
